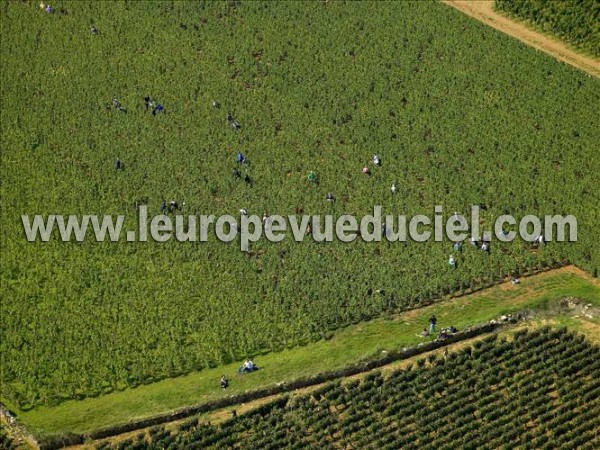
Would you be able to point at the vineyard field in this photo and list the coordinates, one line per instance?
(361, 342)
(536, 389)
(460, 114)
(576, 22)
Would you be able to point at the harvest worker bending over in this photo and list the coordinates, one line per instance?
(157, 108)
(117, 105)
(452, 261)
(224, 382)
(148, 103)
(538, 240)
(240, 158)
(312, 177)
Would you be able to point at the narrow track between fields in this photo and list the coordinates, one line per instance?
(484, 12)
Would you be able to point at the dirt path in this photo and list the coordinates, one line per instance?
(483, 11)
(581, 273)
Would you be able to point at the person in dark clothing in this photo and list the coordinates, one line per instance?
(224, 382)
(240, 158)
(330, 197)
(163, 206)
(158, 108)
(118, 164)
(248, 180)
(148, 103)
(236, 174)
(432, 323)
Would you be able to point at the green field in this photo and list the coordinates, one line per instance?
(460, 114)
(354, 343)
(534, 390)
(577, 22)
